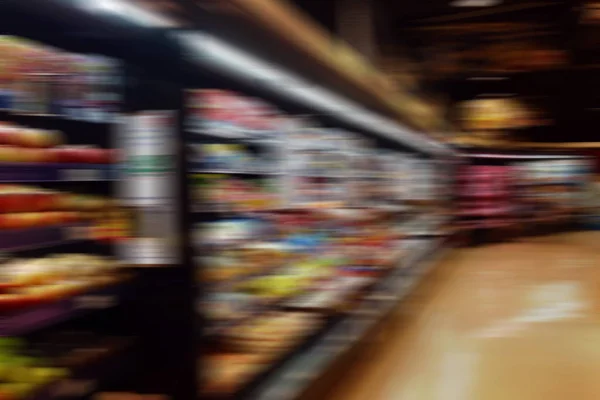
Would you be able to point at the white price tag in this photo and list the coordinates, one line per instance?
(85, 174)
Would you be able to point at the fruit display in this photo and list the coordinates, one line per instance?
(12, 134)
(19, 144)
(42, 367)
(30, 281)
(22, 375)
(29, 206)
(58, 113)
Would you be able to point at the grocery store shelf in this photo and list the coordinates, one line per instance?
(234, 172)
(43, 315)
(50, 172)
(224, 210)
(550, 183)
(117, 359)
(252, 310)
(317, 173)
(330, 300)
(234, 134)
(47, 236)
(296, 373)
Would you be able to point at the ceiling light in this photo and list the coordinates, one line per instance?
(127, 10)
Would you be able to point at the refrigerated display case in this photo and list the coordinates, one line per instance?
(526, 193)
(216, 232)
(306, 231)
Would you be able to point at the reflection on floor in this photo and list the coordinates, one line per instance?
(518, 321)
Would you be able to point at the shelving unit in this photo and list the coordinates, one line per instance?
(272, 252)
(525, 192)
(310, 187)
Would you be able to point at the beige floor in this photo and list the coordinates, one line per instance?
(514, 321)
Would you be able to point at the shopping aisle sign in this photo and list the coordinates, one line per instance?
(148, 168)
(148, 185)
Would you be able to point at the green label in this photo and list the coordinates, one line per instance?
(154, 164)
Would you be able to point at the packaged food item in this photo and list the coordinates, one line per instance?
(101, 97)
(71, 99)
(32, 88)
(212, 112)
(9, 57)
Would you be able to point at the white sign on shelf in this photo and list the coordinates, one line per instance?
(78, 175)
(148, 174)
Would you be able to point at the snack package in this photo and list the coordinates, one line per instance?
(8, 70)
(72, 95)
(102, 82)
(31, 87)
(214, 112)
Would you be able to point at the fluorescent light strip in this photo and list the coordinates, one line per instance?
(127, 10)
(224, 57)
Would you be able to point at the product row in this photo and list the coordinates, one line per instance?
(28, 282)
(43, 367)
(271, 280)
(42, 80)
(310, 164)
(20, 144)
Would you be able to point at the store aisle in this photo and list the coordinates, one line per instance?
(518, 321)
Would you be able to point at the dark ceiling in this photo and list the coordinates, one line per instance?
(453, 47)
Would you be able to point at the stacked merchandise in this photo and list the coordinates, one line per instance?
(272, 276)
(317, 161)
(540, 191)
(295, 225)
(20, 144)
(29, 282)
(486, 195)
(49, 366)
(57, 213)
(551, 190)
(42, 80)
(293, 222)
(422, 189)
(28, 209)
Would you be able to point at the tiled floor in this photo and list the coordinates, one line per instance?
(513, 321)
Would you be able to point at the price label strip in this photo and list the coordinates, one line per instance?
(81, 175)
